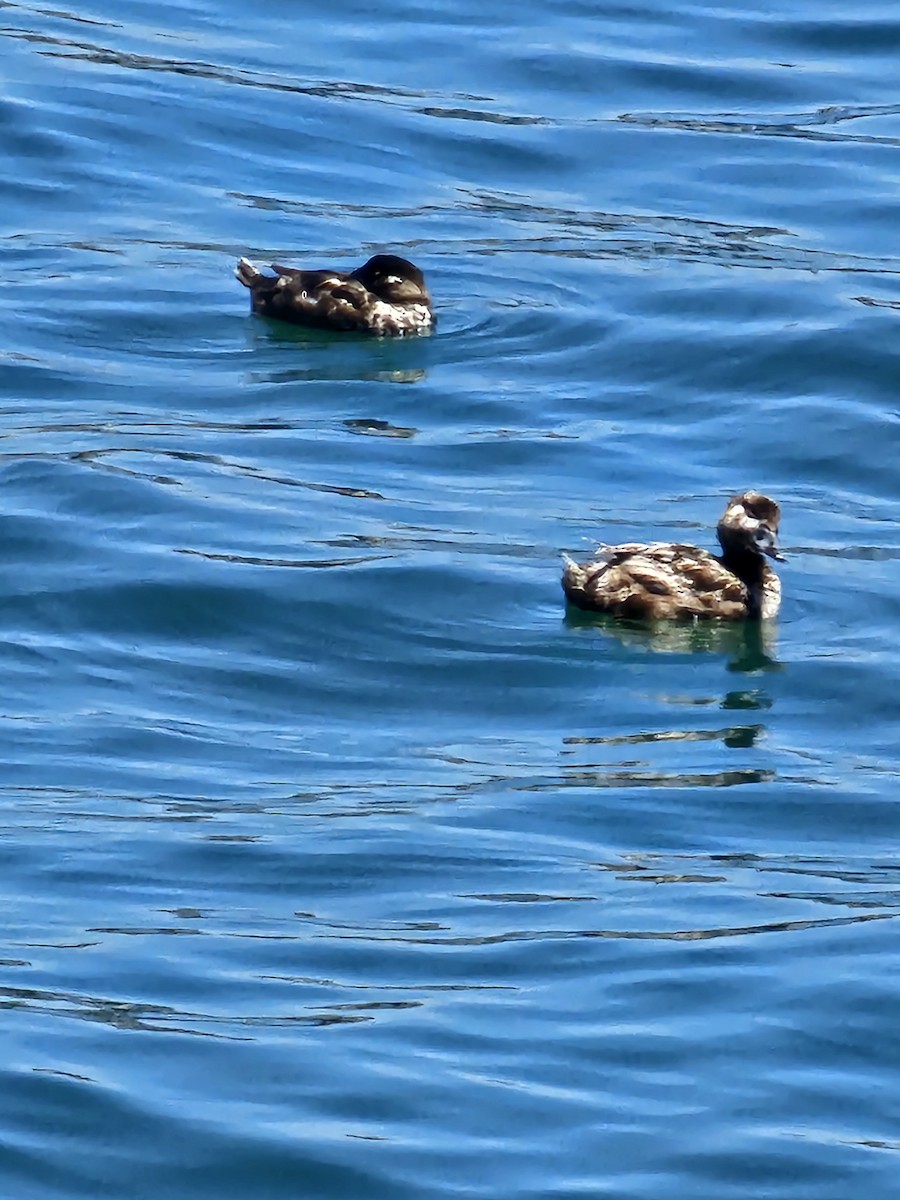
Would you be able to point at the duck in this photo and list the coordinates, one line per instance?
(386, 296)
(669, 581)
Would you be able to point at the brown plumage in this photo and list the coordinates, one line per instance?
(666, 580)
(386, 296)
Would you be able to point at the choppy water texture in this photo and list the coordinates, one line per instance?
(337, 861)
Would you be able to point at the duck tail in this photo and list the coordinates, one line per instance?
(573, 577)
(247, 273)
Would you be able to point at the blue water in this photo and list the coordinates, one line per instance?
(337, 860)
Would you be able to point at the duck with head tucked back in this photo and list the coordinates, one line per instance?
(666, 580)
(386, 296)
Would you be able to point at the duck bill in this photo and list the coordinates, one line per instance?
(769, 546)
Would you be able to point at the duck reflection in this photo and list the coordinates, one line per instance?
(376, 427)
(336, 373)
(748, 645)
(360, 358)
(640, 773)
(675, 757)
(735, 736)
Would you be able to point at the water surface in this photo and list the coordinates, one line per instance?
(338, 860)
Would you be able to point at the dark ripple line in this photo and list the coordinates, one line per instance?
(876, 873)
(873, 899)
(257, 561)
(61, 15)
(872, 302)
(676, 935)
(343, 985)
(158, 1018)
(92, 458)
(69, 49)
(807, 126)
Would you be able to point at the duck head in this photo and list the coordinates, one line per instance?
(393, 279)
(750, 524)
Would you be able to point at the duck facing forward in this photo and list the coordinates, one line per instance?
(668, 581)
(386, 296)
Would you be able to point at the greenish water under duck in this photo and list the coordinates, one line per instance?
(338, 859)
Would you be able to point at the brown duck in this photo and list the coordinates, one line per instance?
(669, 581)
(386, 296)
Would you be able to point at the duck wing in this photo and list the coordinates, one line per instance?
(321, 299)
(656, 581)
